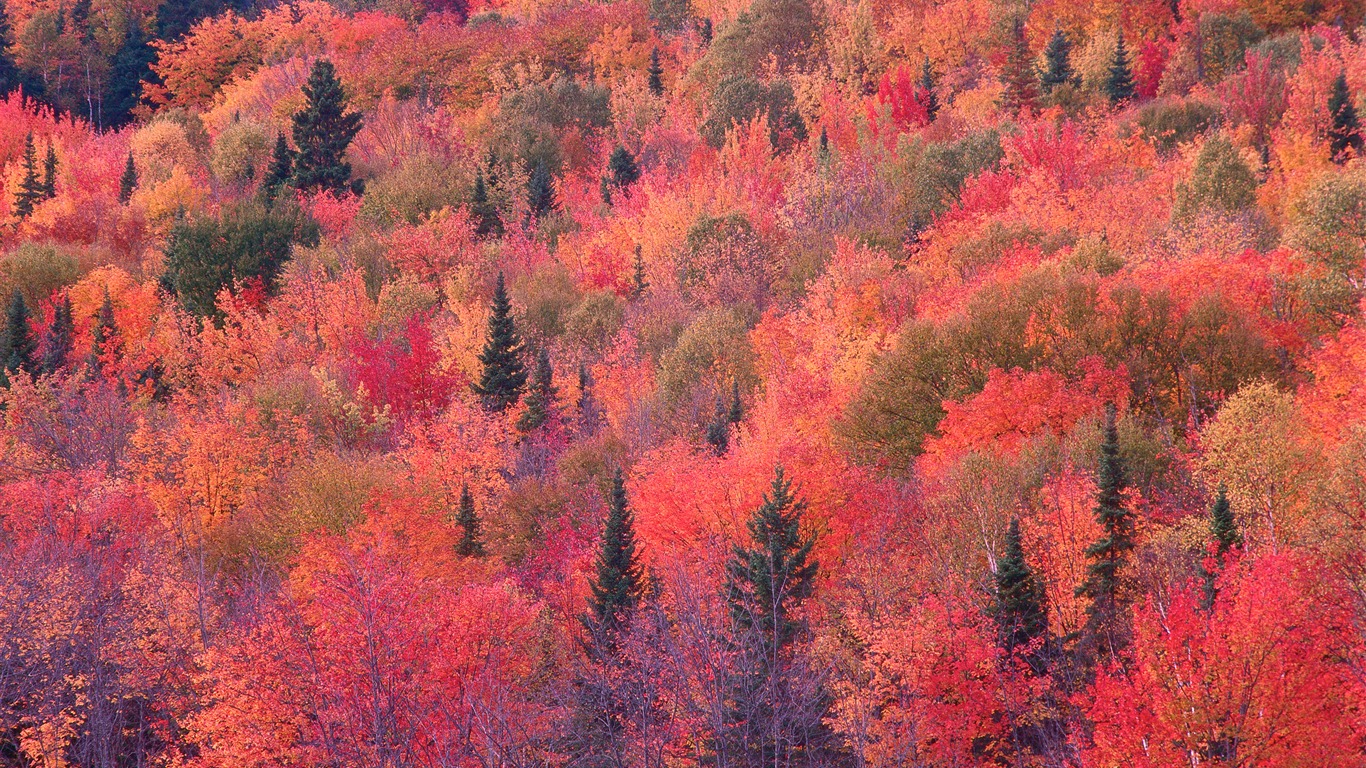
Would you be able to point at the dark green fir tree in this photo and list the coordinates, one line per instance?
(487, 222)
(540, 396)
(1058, 56)
(1020, 610)
(323, 130)
(639, 282)
(655, 74)
(503, 378)
(928, 87)
(718, 429)
(618, 578)
(10, 76)
(1224, 537)
(30, 187)
(104, 339)
(470, 544)
(1345, 131)
(49, 189)
(18, 347)
(60, 337)
(1108, 555)
(280, 170)
(736, 413)
(1022, 90)
(1119, 81)
(128, 182)
(541, 192)
(767, 581)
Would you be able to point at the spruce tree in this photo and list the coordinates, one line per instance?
(639, 282)
(541, 191)
(1058, 54)
(470, 544)
(323, 130)
(655, 74)
(487, 222)
(49, 189)
(1020, 610)
(590, 413)
(618, 578)
(718, 429)
(131, 68)
(736, 414)
(1119, 83)
(30, 188)
(1223, 529)
(504, 377)
(622, 167)
(1345, 131)
(540, 396)
(128, 182)
(768, 581)
(1021, 79)
(927, 85)
(60, 337)
(19, 349)
(1109, 554)
(10, 76)
(823, 145)
(105, 335)
(280, 170)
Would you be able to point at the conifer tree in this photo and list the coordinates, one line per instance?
(655, 74)
(1109, 554)
(60, 337)
(927, 85)
(1020, 610)
(104, 336)
(49, 190)
(540, 397)
(736, 414)
(823, 145)
(639, 283)
(590, 413)
(622, 172)
(130, 68)
(19, 349)
(504, 377)
(1223, 529)
(10, 76)
(30, 188)
(718, 429)
(1021, 79)
(1058, 54)
(323, 130)
(706, 31)
(128, 182)
(487, 222)
(1119, 83)
(768, 581)
(541, 191)
(470, 545)
(1345, 131)
(618, 578)
(280, 170)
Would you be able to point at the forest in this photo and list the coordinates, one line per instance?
(682, 383)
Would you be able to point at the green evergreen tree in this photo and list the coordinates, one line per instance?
(618, 578)
(18, 347)
(928, 87)
(60, 337)
(736, 414)
(1109, 555)
(655, 74)
(470, 545)
(105, 335)
(540, 396)
(1223, 529)
(823, 145)
(639, 282)
(487, 222)
(718, 429)
(622, 168)
(541, 191)
(1119, 82)
(30, 188)
(49, 189)
(323, 130)
(131, 69)
(1020, 609)
(1345, 131)
(128, 182)
(767, 581)
(10, 76)
(504, 377)
(280, 170)
(1058, 54)
(1022, 91)
(706, 31)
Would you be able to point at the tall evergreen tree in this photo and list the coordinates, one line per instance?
(639, 282)
(104, 338)
(1022, 90)
(590, 412)
(18, 347)
(30, 188)
(541, 191)
(10, 76)
(736, 413)
(618, 578)
(1223, 529)
(128, 182)
(504, 377)
(1109, 554)
(1345, 131)
(1119, 82)
(131, 68)
(928, 87)
(487, 222)
(60, 337)
(622, 172)
(540, 396)
(1058, 54)
(280, 170)
(655, 74)
(470, 545)
(1020, 609)
(718, 429)
(323, 130)
(49, 189)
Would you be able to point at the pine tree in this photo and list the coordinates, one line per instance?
(736, 414)
(128, 182)
(470, 544)
(767, 582)
(10, 76)
(280, 170)
(1223, 529)
(504, 377)
(618, 578)
(927, 86)
(1119, 83)
(622, 167)
(1345, 131)
(1058, 54)
(30, 188)
(823, 145)
(540, 397)
(131, 68)
(639, 283)
(1110, 554)
(655, 74)
(323, 130)
(18, 347)
(1021, 79)
(60, 337)
(105, 335)
(718, 429)
(1020, 611)
(487, 222)
(49, 189)
(541, 191)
